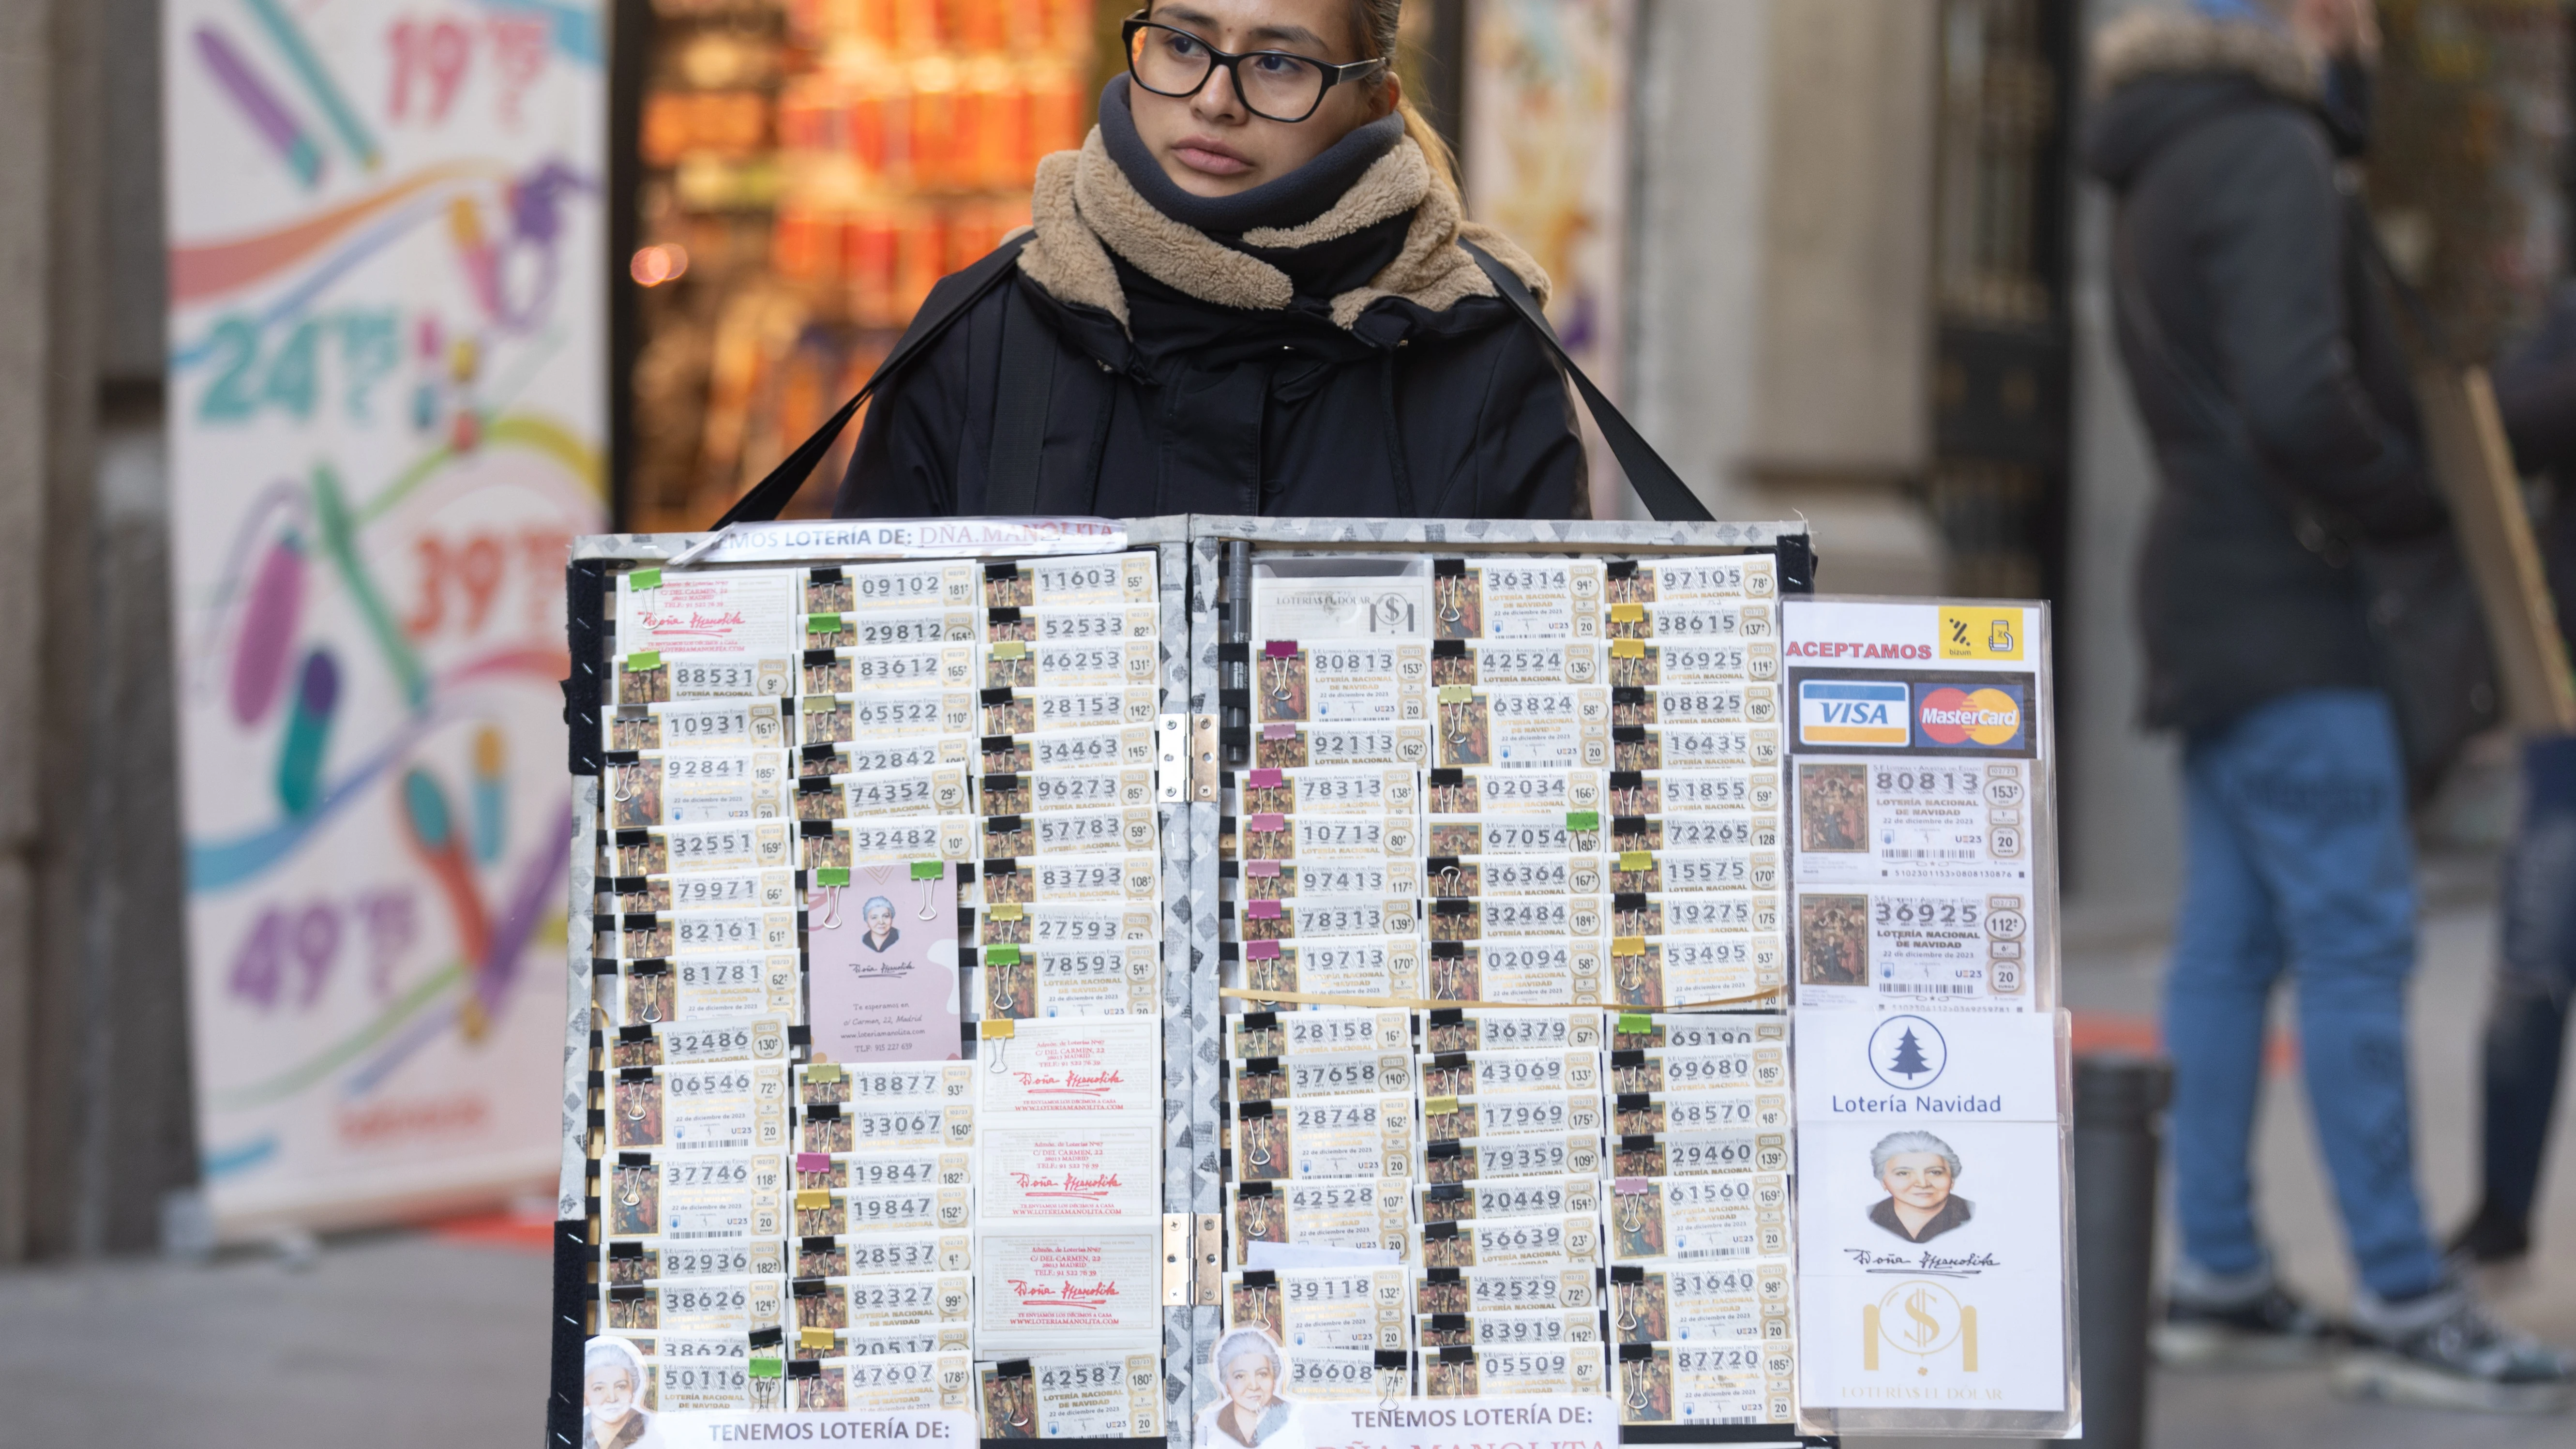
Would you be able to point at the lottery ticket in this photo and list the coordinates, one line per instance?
(1093, 581)
(1071, 832)
(1538, 971)
(1506, 1197)
(868, 1170)
(905, 1300)
(696, 849)
(1679, 792)
(1503, 918)
(1325, 1030)
(1321, 1074)
(1274, 880)
(1294, 746)
(705, 1382)
(1063, 925)
(1455, 877)
(1272, 836)
(894, 1384)
(1648, 664)
(1506, 1330)
(1648, 581)
(1694, 621)
(1722, 1216)
(1681, 705)
(1323, 1375)
(869, 1254)
(913, 668)
(1332, 790)
(715, 612)
(1452, 790)
(884, 1342)
(1639, 914)
(1349, 1309)
(1078, 1064)
(1465, 1119)
(822, 1212)
(1493, 1073)
(1341, 682)
(1055, 879)
(886, 840)
(692, 1199)
(697, 787)
(1641, 872)
(874, 1084)
(888, 628)
(1044, 711)
(1023, 983)
(649, 677)
(1693, 747)
(1697, 1154)
(1536, 598)
(1323, 1137)
(1570, 1239)
(707, 933)
(1097, 787)
(1685, 1383)
(1308, 917)
(1692, 1030)
(1531, 661)
(714, 890)
(1469, 1029)
(1519, 1289)
(691, 988)
(1070, 664)
(1725, 830)
(1922, 944)
(730, 1307)
(1510, 1155)
(1351, 1212)
(649, 1260)
(868, 757)
(1092, 1169)
(729, 1108)
(1050, 1287)
(1079, 749)
(1067, 626)
(1466, 1373)
(698, 725)
(1665, 1300)
(700, 1041)
(1335, 966)
(926, 1122)
(1695, 970)
(1073, 1396)
(1762, 1064)
(873, 587)
(1575, 832)
(1647, 1114)
(1523, 728)
(938, 791)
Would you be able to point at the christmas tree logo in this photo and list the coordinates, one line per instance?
(1908, 1052)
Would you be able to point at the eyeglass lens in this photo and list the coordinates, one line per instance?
(1274, 86)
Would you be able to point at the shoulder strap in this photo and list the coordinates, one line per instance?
(948, 302)
(1665, 494)
(1020, 410)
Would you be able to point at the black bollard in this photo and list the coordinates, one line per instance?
(2119, 1148)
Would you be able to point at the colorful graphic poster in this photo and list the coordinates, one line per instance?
(387, 396)
(883, 952)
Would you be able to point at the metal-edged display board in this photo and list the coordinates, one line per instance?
(1547, 914)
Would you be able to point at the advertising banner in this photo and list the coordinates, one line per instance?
(387, 402)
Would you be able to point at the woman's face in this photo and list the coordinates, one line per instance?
(1917, 1179)
(611, 1391)
(880, 920)
(1209, 144)
(1250, 1380)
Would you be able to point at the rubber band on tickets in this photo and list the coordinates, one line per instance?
(721, 724)
(1508, 1156)
(1073, 1396)
(1717, 1383)
(1731, 1216)
(1466, 1373)
(1351, 1212)
(1291, 746)
(1665, 1299)
(1506, 1197)
(1352, 1310)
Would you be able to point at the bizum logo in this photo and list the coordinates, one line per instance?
(1908, 1052)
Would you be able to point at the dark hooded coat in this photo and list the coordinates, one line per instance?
(1320, 346)
(2233, 235)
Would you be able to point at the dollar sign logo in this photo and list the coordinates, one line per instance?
(1925, 1328)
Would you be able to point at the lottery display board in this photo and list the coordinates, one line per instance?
(1178, 980)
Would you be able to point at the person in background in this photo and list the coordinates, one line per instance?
(2526, 1030)
(2264, 365)
(1252, 297)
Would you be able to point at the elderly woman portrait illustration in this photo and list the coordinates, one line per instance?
(1250, 1372)
(612, 1398)
(881, 934)
(1921, 1175)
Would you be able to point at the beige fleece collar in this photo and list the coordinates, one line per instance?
(1084, 208)
(2165, 42)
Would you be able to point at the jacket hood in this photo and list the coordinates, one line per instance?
(1085, 211)
(2158, 73)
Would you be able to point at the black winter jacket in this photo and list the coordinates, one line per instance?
(2232, 234)
(1320, 346)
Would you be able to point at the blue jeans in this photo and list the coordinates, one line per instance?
(2297, 856)
(2535, 976)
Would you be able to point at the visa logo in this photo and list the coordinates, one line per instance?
(1853, 712)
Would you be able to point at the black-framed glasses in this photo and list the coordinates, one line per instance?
(1274, 84)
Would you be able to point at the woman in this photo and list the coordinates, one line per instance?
(613, 1415)
(881, 934)
(1249, 1371)
(1247, 295)
(1920, 1172)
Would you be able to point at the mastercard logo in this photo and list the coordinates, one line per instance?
(1952, 716)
